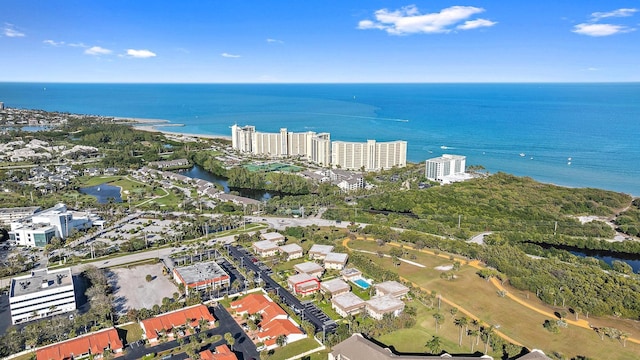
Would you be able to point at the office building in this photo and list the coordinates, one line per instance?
(39, 228)
(9, 215)
(200, 276)
(40, 294)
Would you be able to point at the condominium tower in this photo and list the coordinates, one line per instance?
(370, 156)
(440, 168)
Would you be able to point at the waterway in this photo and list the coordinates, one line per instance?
(607, 256)
(197, 172)
(103, 193)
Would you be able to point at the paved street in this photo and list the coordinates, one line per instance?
(307, 310)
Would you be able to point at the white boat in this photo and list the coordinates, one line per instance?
(444, 147)
(523, 154)
(98, 189)
(568, 162)
(568, 159)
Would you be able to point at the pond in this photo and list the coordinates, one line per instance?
(197, 172)
(103, 193)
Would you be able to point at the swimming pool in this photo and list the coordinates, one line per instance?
(362, 283)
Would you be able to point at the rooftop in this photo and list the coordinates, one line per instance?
(40, 280)
(200, 272)
(389, 287)
(308, 267)
(291, 248)
(265, 245)
(347, 300)
(384, 303)
(324, 249)
(334, 285)
(273, 236)
(300, 278)
(336, 258)
(95, 343)
(349, 272)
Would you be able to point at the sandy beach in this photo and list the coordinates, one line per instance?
(156, 125)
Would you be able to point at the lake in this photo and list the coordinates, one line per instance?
(197, 172)
(103, 193)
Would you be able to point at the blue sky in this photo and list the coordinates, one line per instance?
(319, 41)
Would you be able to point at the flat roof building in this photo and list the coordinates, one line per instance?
(335, 287)
(199, 276)
(378, 306)
(335, 261)
(273, 236)
(349, 274)
(265, 248)
(303, 284)
(392, 288)
(40, 294)
(293, 251)
(445, 169)
(9, 215)
(309, 268)
(370, 155)
(319, 252)
(347, 304)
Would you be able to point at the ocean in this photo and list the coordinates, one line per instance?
(578, 135)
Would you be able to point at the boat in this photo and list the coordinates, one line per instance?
(98, 189)
(444, 147)
(568, 162)
(568, 159)
(523, 154)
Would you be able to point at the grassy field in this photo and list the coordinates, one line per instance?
(480, 298)
(273, 167)
(293, 349)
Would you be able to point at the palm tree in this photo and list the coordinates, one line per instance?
(461, 322)
(487, 332)
(230, 340)
(471, 334)
(438, 317)
(435, 344)
(281, 340)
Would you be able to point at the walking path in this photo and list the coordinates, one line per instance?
(476, 264)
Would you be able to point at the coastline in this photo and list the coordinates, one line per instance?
(155, 126)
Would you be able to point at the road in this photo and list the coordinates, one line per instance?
(307, 310)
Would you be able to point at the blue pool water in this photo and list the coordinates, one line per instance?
(362, 283)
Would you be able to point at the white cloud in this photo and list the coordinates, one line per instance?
(10, 31)
(77, 45)
(53, 43)
(275, 41)
(227, 55)
(600, 29)
(474, 24)
(142, 54)
(409, 20)
(615, 13)
(97, 50)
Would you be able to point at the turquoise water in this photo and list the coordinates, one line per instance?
(362, 283)
(596, 125)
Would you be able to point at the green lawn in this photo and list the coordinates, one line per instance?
(133, 332)
(479, 297)
(293, 349)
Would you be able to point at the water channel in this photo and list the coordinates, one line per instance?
(607, 256)
(199, 173)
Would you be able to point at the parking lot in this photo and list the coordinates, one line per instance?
(133, 291)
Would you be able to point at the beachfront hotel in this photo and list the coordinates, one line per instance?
(314, 147)
(370, 156)
(318, 148)
(446, 168)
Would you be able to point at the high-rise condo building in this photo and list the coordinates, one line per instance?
(370, 156)
(438, 169)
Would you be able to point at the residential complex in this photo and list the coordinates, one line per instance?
(318, 148)
(39, 228)
(370, 156)
(312, 146)
(40, 294)
(164, 324)
(89, 346)
(447, 168)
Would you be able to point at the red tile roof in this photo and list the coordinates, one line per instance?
(278, 327)
(206, 355)
(252, 303)
(95, 343)
(168, 321)
(223, 353)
